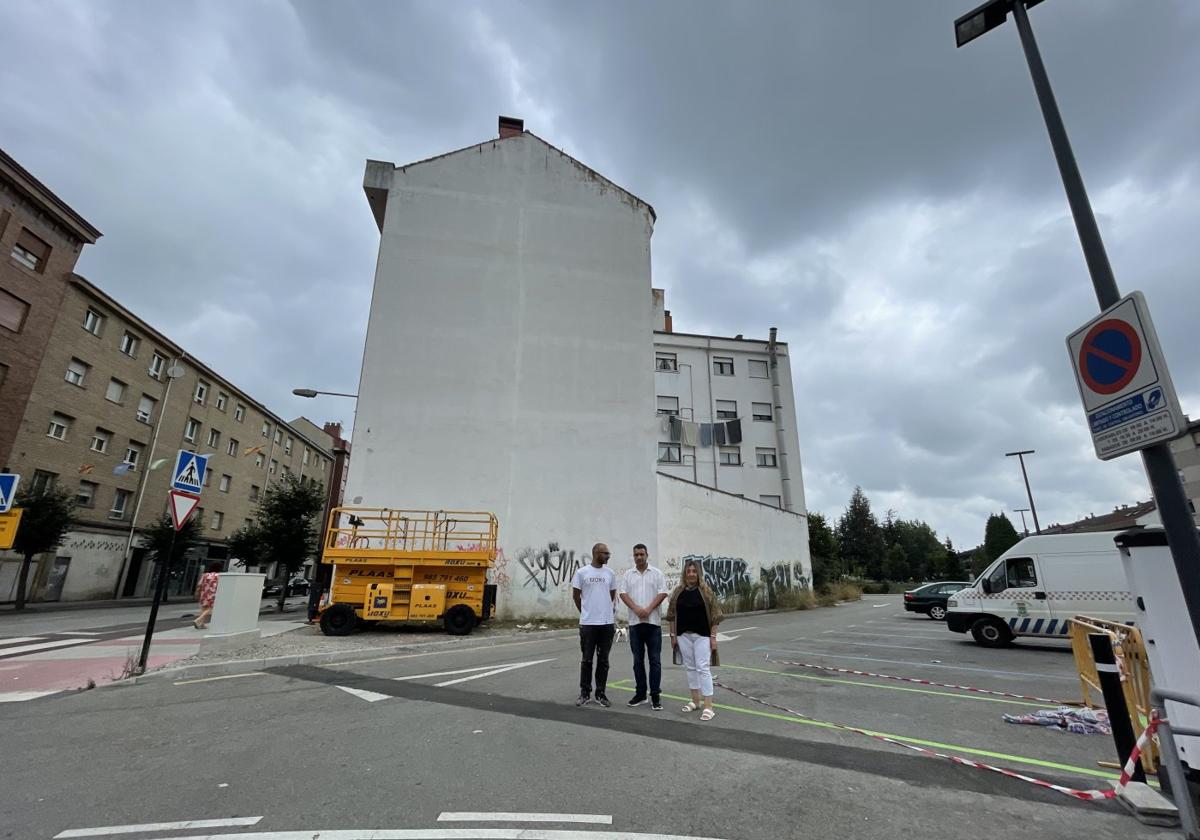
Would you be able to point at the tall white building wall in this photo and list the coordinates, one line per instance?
(506, 362)
(698, 388)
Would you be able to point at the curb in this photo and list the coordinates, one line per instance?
(200, 670)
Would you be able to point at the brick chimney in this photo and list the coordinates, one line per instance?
(511, 127)
(334, 430)
(667, 316)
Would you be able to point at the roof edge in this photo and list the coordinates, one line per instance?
(45, 196)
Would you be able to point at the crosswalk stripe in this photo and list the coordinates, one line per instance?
(141, 828)
(18, 640)
(58, 643)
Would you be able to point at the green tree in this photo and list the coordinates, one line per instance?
(860, 539)
(823, 550)
(895, 564)
(158, 543)
(46, 516)
(953, 569)
(285, 528)
(925, 553)
(998, 536)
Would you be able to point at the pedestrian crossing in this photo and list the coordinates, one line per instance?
(24, 645)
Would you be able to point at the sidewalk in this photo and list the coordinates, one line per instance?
(60, 606)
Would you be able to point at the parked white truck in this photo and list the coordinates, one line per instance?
(1037, 586)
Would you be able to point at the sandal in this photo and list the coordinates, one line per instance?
(691, 706)
(708, 714)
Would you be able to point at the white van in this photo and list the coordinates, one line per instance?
(1041, 583)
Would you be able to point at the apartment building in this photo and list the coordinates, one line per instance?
(101, 403)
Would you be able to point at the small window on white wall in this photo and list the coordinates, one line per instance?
(668, 405)
(773, 501)
(758, 369)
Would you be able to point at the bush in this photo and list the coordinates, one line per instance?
(846, 591)
(795, 599)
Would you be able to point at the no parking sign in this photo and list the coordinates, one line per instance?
(1123, 380)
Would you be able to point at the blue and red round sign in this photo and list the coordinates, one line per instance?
(1110, 356)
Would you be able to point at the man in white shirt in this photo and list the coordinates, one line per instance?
(643, 589)
(594, 588)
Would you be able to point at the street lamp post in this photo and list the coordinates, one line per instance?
(1023, 511)
(1032, 507)
(1178, 526)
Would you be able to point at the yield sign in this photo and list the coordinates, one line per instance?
(182, 505)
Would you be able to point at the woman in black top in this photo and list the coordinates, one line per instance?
(694, 615)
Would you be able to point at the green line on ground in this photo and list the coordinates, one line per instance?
(888, 687)
(1017, 759)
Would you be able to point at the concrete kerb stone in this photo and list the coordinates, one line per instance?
(200, 670)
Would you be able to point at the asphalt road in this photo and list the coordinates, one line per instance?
(394, 746)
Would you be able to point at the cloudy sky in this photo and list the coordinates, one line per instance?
(836, 169)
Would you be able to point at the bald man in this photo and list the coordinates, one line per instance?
(594, 588)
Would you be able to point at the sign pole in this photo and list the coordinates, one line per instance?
(160, 587)
(1165, 485)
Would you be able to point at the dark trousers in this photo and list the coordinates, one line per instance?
(595, 640)
(645, 640)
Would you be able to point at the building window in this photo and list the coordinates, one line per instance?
(254, 490)
(100, 440)
(43, 481)
(77, 372)
(278, 436)
(726, 409)
(287, 449)
(239, 412)
(758, 369)
(130, 344)
(133, 454)
(60, 424)
(116, 391)
(12, 311)
(31, 252)
(93, 321)
(266, 430)
(731, 456)
(222, 400)
(723, 365)
(120, 504)
(666, 362)
(259, 459)
(218, 520)
(286, 471)
(232, 449)
(157, 362)
(668, 405)
(201, 392)
(669, 453)
(3, 374)
(765, 456)
(274, 467)
(306, 454)
(214, 437)
(224, 485)
(761, 411)
(85, 496)
(145, 409)
(773, 501)
(192, 431)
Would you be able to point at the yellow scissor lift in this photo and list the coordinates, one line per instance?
(409, 565)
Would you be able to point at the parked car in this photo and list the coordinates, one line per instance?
(296, 586)
(931, 598)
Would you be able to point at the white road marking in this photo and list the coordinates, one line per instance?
(8, 651)
(725, 637)
(491, 673)
(16, 640)
(22, 696)
(506, 816)
(108, 830)
(920, 634)
(363, 694)
(77, 633)
(441, 834)
(445, 673)
(872, 644)
(877, 606)
(222, 677)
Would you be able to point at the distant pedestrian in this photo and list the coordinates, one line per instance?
(643, 589)
(206, 593)
(594, 588)
(694, 614)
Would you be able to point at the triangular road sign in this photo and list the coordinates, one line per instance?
(182, 505)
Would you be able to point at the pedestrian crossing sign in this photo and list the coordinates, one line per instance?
(189, 472)
(8, 490)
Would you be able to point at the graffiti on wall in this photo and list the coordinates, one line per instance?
(725, 575)
(550, 567)
(782, 576)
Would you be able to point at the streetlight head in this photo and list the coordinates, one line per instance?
(1022, 452)
(304, 392)
(985, 18)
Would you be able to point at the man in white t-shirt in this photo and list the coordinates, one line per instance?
(643, 589)
(594, 588)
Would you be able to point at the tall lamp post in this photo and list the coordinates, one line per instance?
(1178, 526)
(1023, 511)
(1032, 507)
(321, 577)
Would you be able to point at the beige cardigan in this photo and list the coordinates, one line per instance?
(713, 608)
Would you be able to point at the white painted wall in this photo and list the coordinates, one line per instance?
(698, 389)
(735, 539)
(507, 364)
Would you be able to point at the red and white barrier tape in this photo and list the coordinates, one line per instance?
(1086, 795)
(834, 670)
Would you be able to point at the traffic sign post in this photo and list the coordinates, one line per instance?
(8, 490)
(182, 499)
(9, 523)
(1123, 380)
